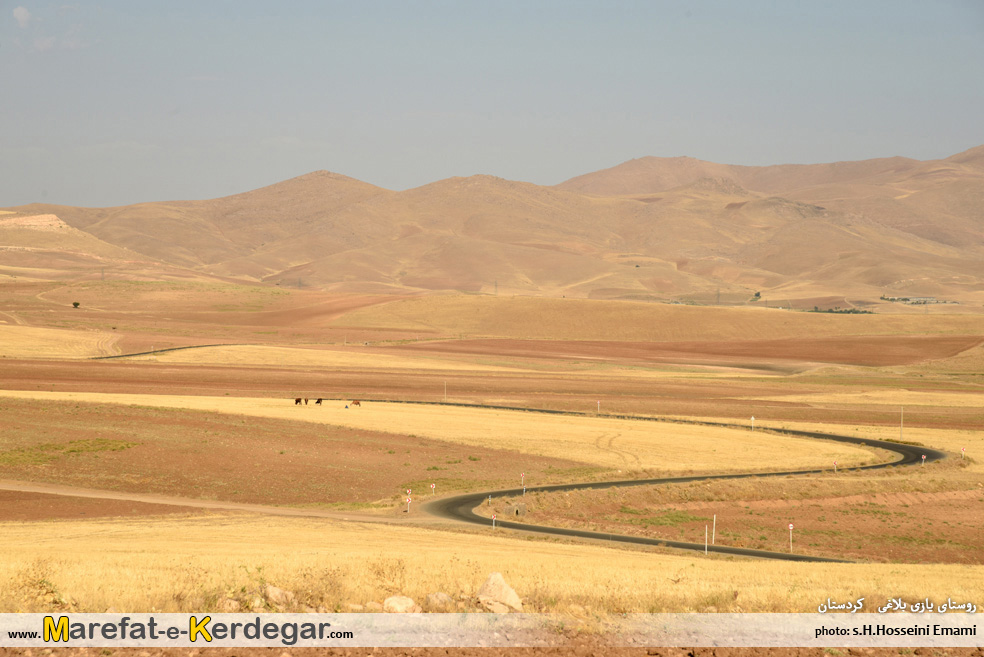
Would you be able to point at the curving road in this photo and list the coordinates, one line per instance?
(461, 507)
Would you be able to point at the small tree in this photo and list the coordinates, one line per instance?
(75, 304)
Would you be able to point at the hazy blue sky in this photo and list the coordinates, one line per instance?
(108, 103)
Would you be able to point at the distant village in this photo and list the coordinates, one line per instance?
(914, 301)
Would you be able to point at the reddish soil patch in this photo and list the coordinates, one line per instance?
(241, 459)
(859, 350)
(16, 505)
(719, 397)
(910, 527)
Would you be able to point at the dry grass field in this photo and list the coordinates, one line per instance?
(581, 319)
(353, 358)
(191, 563)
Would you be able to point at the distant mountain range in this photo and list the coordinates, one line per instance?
(676, 229)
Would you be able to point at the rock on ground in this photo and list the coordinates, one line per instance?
(278, 597)
(439, 601)
(400, 604)
(229, 606)
(495, 589)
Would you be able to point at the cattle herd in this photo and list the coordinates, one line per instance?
(317, 402)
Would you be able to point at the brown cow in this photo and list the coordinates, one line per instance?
(297, 401)
(318, 403)
(305, 401)
(356, 403)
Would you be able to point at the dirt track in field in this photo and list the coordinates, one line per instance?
(104, 503)
(28, 505)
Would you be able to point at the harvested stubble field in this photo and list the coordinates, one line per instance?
(622, 445)
(241, 457)
(191, 563)
(31, 342)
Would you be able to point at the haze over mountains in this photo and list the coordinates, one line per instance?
(681, 229)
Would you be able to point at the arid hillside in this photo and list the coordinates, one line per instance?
(840, 235)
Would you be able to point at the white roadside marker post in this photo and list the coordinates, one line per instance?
(714, 528)
(599, 406)
(835, 466)
(963, 450)
(790, 538)
(408, 505)
(753, 423)
(924, 459)
(493, 521)
(432, 488)
(490, 500)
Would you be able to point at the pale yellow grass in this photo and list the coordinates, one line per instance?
(949, 440)
(370, 359)
(32, 342)
(345, 358)
(583, 319)
(888, 397)
(606, 442)
(188, 564)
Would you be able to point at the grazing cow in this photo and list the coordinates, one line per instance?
(297, 401)
(356, 403)
(305, 401)
(318, 403)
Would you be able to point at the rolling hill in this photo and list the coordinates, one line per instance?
(674, 229)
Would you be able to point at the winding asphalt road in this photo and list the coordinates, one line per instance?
(461, 507)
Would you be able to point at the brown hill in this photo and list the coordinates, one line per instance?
(197, 233)
(42, 246)
(674, 229)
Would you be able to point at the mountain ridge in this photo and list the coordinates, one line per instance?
(671, 229)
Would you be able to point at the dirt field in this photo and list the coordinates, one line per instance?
(933, 515)
(240, 458)
(685, 394)
(754, 354)
(15, 505)
(631, 446)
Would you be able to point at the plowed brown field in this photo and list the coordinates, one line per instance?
(759, 354)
